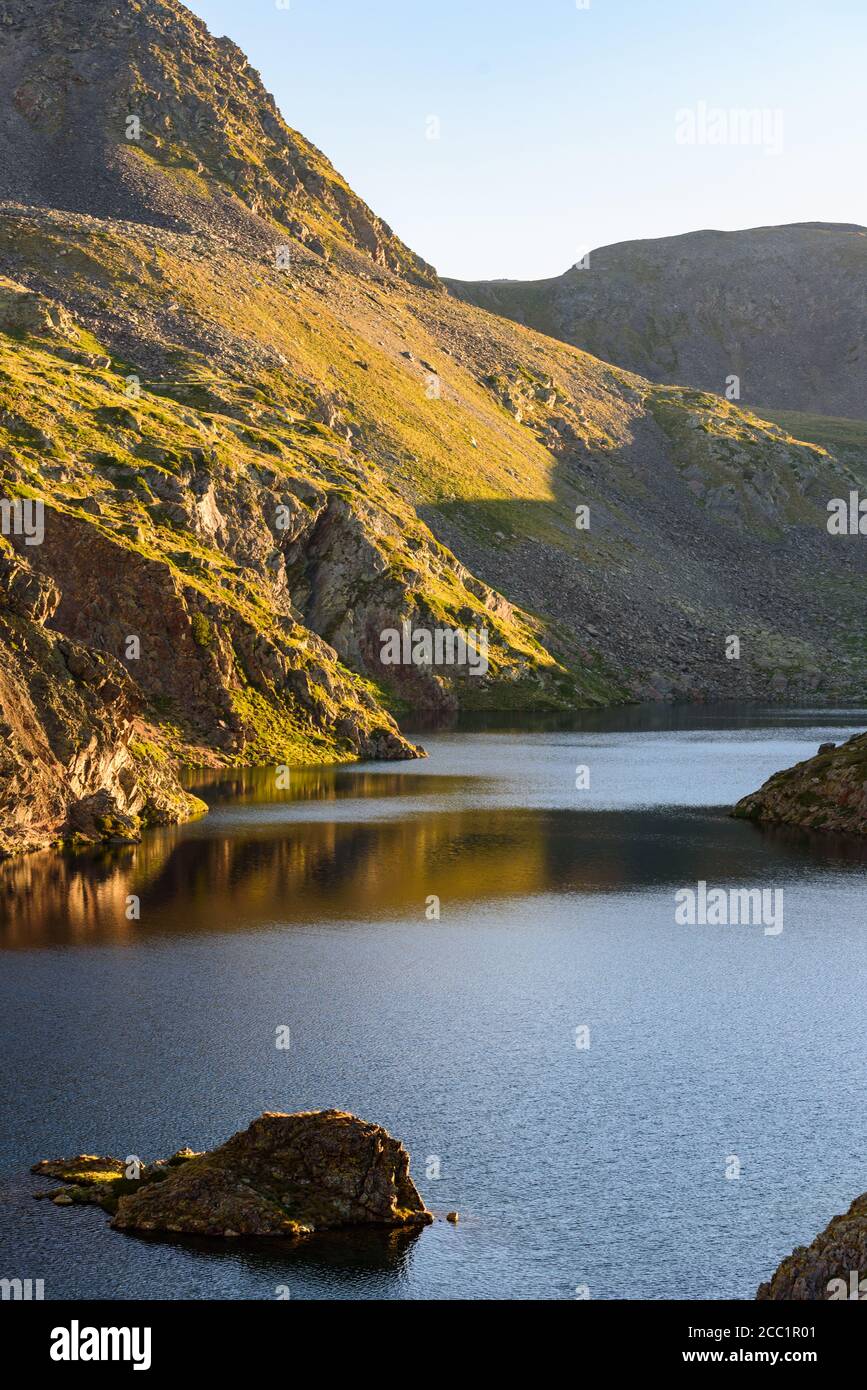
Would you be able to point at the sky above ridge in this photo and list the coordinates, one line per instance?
(505, 138)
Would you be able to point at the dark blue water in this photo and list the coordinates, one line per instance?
(603, 1167)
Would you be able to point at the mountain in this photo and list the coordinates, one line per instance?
(264, 436)
(784, 309)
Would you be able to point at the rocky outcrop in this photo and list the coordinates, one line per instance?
(76, 760)
(831, 1268)
(255, 690)
(826, 792)
(22, 311)
(286, 1175)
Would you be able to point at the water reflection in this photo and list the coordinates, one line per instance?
(275, 866)
(357, 1254)
(658, 717)
(258, 785)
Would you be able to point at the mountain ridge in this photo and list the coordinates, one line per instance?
(782, 308)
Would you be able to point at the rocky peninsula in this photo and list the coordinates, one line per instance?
(826, 792)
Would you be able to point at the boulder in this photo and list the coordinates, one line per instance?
(23, 311)
(286, 1175)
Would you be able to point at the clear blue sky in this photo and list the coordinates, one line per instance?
(558, 124)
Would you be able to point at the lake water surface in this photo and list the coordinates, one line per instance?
(601, 1167)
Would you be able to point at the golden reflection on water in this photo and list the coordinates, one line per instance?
(291, 873)
(260, 859)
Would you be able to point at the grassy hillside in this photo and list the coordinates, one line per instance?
(845, 438)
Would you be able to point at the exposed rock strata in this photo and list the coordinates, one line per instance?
(75, 757)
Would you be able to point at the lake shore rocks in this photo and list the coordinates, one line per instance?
(826, 792)
(286, 1175)
(829, 1269)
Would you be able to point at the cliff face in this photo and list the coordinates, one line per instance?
(75, 756)
(263, 437)
(782, 308)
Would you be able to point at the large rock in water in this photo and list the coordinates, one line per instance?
(813, 1272)
(827, 792)
(285, 1175)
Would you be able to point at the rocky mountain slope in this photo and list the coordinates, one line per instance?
(132, 109)
(782, 308)
(827, 792)
(263, 435)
